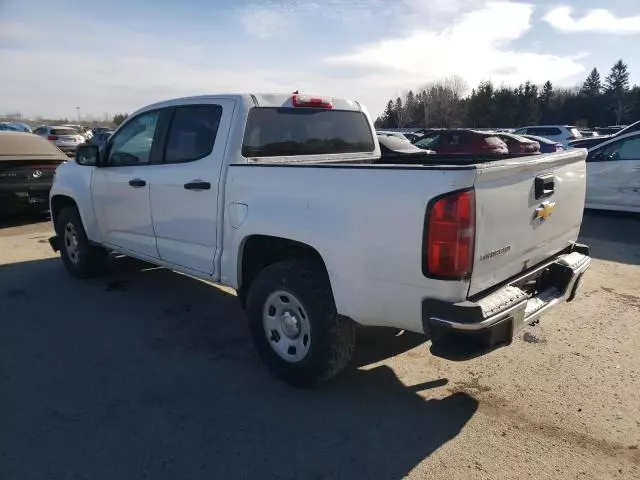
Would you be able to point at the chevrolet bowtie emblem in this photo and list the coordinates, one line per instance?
(545, 210)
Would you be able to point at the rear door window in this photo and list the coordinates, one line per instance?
(192, 132)
(272, 132)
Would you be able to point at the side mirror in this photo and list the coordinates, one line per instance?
(87, 155)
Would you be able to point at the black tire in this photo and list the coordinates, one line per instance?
(86, 260)
(332, 337)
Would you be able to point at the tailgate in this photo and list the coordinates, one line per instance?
(527, 209)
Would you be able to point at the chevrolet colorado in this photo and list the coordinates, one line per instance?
(284, 198)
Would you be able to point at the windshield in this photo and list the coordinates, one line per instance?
(274, 132)
(425, 142)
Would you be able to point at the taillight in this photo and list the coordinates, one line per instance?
(52, 138)
(449, 236)
(523, 148)
(312, 102)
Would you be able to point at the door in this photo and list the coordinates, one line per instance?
(120, 186)
(184, 188)
(613, 174)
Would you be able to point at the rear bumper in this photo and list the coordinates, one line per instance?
(472, 328)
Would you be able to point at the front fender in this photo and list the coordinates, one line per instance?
(74, 182)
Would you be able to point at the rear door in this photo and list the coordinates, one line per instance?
(527, 210)
(185, 186)
(613, 174)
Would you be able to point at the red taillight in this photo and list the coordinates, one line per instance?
(52, 138)
(449, 236)
(312, 102)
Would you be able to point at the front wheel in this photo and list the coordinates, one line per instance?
(294, 324)
(80, 258)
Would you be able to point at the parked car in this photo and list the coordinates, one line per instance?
(281, 198)
(65, 138)
(403, 135)
(586, 133)
(6, 126)
(15, 126)
(613, 174)
(610, 130)
(100, 139)
(592, 142)
(87, 133)
(394, 149)
(101, 130)
(546, 145)
(463, 141)
(518, 144)
(559, 133)
(27, 166)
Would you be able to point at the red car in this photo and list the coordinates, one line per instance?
(518, 144)
(464, 141)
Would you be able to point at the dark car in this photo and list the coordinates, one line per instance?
(519, 143)
(546, 145)
(100, 139)
(27, 165)
(394, 149)
(593, 141)
(463, 141)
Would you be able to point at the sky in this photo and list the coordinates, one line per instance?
(123, 54)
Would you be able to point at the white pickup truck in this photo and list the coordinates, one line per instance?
(285, 199)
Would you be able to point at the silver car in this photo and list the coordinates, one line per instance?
(65, 138)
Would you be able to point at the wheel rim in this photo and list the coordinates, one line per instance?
(286, 325)
(71, 243)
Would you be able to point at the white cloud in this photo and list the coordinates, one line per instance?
(476, 47)
(263, 22)
(598, 20)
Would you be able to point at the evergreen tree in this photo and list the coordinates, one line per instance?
(592, 86)
(617, 90)
(546, 114)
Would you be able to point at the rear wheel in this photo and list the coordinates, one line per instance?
(80, 258)
(294, 324)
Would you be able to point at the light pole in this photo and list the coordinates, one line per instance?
(78, 110)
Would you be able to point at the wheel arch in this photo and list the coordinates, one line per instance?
(58, 203)
(257, 252)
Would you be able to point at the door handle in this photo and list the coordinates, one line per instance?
(544, 185)
(197, 185)
(137, 183)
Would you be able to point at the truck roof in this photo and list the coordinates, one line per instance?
(273, 100)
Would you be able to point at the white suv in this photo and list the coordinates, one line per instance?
(65, 138)
(558, 133)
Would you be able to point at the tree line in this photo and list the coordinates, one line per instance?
(597, 102)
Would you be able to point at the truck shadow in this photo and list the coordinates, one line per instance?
(151, 374)
(613, 236)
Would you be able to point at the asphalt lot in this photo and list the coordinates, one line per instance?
(148, 374)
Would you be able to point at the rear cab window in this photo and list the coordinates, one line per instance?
(64, 131)
(280, 131)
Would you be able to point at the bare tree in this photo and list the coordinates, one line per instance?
(442, 102)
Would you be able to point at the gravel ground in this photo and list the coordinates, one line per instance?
(151, 374)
